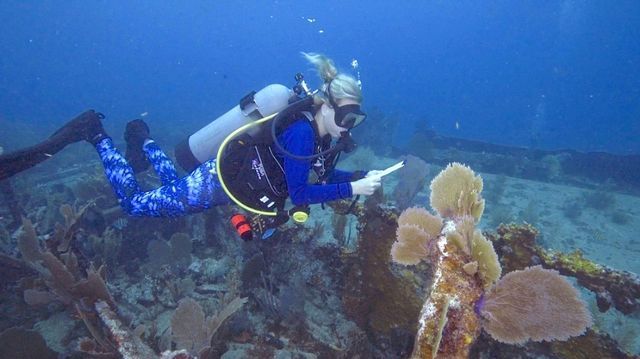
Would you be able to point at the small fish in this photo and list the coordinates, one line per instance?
(48, 154)
(144, 114)
(320, 31)
(311, 19)
(457, 125)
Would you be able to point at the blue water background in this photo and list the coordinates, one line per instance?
(547, 74)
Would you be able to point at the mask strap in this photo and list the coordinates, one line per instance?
(327, 92)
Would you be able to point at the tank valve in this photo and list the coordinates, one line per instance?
(301, 89)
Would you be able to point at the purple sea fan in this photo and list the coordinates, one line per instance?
(533, 304)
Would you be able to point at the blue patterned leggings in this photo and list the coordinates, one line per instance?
(194, 193)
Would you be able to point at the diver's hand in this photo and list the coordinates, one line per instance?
(366, 186)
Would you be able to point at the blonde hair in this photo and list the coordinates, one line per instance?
(338, 85)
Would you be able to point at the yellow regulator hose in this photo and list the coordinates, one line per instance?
(219, 158)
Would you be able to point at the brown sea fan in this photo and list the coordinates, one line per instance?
(533, 304)
(411, 245)
(417, 229)
(484, 254)
(190, 329)
(455, 192)
(419, 216)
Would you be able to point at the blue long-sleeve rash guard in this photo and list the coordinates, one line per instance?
(299, 139)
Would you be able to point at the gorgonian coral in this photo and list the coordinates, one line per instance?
(416, 230)
(455, 192)
(533, 304)
(484, 254)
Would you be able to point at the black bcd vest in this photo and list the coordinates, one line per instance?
(252, 171)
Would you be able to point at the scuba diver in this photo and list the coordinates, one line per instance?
(259, 166)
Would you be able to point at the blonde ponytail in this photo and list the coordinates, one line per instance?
(337, 85)
(325, 66)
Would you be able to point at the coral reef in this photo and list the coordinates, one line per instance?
(465, 264)
(63, 282)
(517, 247)
(193, 332)
(62, 275)
(589, 345)
(328, 289)
(533, 304)
(175, 253)
(509, 241)
(448, 323)
(128, 345)
(375, 296)
(88, 297)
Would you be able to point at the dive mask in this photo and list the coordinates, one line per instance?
(349, 116)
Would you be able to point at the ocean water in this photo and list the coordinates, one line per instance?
(542, 99)
(557, 75)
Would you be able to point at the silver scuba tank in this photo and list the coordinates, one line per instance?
(203, 145)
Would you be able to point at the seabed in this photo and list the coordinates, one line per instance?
(324, 289)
